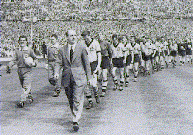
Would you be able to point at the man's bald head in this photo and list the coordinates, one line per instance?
(70, 32)
(71, 37)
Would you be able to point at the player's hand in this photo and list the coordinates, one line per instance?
(35, 63)
(8, 70)
(88, 82)
(56, 76)
(124, 61)
(96, 70)
(46, 66)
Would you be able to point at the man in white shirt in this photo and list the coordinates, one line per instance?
(94, 53)
(128, 57)
(173, 52)
(137, 54)
(117, 61)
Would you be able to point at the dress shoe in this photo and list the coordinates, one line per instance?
(116, 87)
(75, 126)
(135, 79)
(97, 99)
(30, 99)
(103, 94)
(90, 105)
(126, 84)
(120, 88)
(20, 104)
(56, 93)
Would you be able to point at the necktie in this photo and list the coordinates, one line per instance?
(71, 54)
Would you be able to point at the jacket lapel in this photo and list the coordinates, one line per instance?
(66, 53)
(76, 51)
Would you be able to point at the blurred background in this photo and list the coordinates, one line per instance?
(38, 19)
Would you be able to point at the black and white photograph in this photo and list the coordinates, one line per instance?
(96, 67)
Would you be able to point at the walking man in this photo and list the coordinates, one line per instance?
(24, 57)
(73, 57)
(52, 56)
(94, 53)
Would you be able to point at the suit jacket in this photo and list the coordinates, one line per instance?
(79, 70)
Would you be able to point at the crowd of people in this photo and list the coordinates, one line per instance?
(87, 59)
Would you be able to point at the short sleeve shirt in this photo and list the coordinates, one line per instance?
(136, 49)
(118, 51)
(93, 49)
(128, 48)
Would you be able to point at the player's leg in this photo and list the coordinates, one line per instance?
(105, 66)
(143, 64)
(115, 78)
(127, 69)
(52, 80)
(127, 75)
(25, 79)
(121, 78)
(95, 88)
(104, 82)
(57, 89)
(136, 65)
(116, 63)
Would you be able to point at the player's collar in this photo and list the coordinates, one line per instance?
(88, 44)
(125, 44)
(115, 45)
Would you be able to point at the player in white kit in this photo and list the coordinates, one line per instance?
(173, 52)
(117, 61)
(137, 56)
(128, 57)
(94, 54)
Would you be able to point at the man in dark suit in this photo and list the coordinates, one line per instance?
(76, 73)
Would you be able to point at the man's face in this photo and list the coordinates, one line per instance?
(101, 37)
(72, 37)
(53, 40)
(115, 41)
(23, 42)
(124, 40)
(87, 39)
(132, 40)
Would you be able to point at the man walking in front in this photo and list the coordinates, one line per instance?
(76, 73)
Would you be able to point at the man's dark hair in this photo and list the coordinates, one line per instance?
(54, 35)
(23, 36)
(85, 33)
(114, 36)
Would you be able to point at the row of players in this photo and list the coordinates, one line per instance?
(123, 53)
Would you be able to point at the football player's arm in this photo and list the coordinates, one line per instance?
(132, 55)
(99, 56)
(58, 64)
(86, 64)
(154, 51)
(125, 56)
(12, 63)
(32, 54)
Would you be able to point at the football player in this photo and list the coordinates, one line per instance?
(51, 58)
(137, 53)
(117, 61)
(128, 57)
(24, 57)
(94, 53)
(106, 53)
(173, 52)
